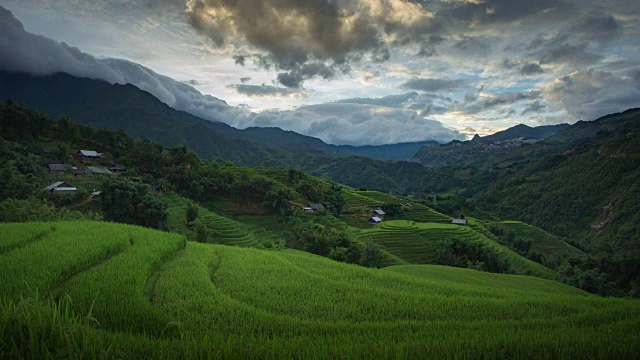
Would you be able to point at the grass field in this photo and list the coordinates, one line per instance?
(418, 243)
(99, 290)
(224, 230)
(542, 241)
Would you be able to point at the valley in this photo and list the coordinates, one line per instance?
(307, 264)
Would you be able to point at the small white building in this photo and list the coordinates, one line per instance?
(375, 220)
(459, 222)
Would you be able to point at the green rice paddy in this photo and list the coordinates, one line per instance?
(99, 290)
(418, 243)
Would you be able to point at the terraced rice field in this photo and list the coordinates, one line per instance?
(418, 243)
(216, 301)
(116, 291)
(542, 241)
(421, 213)
(225, 231)
(355, 200)
(380, 197)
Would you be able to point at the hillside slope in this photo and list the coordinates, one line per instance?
(142, 116)
(146, 292)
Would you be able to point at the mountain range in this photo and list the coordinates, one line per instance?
(140, 114)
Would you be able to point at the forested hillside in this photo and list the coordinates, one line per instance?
(587, 195)
(219, 202)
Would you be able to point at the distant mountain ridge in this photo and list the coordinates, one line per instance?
(502, 149)
(139, 113)
(523, 131)
(394, 152)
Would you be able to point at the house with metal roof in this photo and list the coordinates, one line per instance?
(59, 167)
(378, 213)
(459, 222)
(60, 186)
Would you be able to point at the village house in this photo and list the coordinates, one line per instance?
(379, 213)
(316, 207)
(459, 222)
(88, 155)
(117, 168)
(60, 186)
(375, 220)
(98, 170)
(58, 168)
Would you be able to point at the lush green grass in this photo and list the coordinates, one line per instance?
(422, 213)
(418, 243)
(66, 249)
(380, 197)
(16, 236)
(155, 299)
(542, 241)
(356, 201)
(224, 230)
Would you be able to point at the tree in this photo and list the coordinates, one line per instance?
(15, 184)
(336, 199)
(201, 230)
(13, 210)
(133, 203)
(278, 198)
(371, 255)
(192, 212)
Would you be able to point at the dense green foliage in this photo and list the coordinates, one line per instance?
(116, 291)
(325, 236)
(598, 216)
(133, 203)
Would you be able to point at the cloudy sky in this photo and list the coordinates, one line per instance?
(346, 71)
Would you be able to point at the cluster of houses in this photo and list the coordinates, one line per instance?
(85, 157)
(376, 216)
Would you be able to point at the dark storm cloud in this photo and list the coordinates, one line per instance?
(534, 107)
(291, 35)
(263, 90)
(291, 32)
(561, 52)
(472, 46)
(21, 51)
(598, 27)
(295, 77)
(562, 48)
(531, 69)
(239, 59)
(433, 84)
(508, 98)
(495, 11)
(476, 103)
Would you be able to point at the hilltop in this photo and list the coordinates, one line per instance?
(143, 116)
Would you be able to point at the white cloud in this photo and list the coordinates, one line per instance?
(589, 94)
(358, 124)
